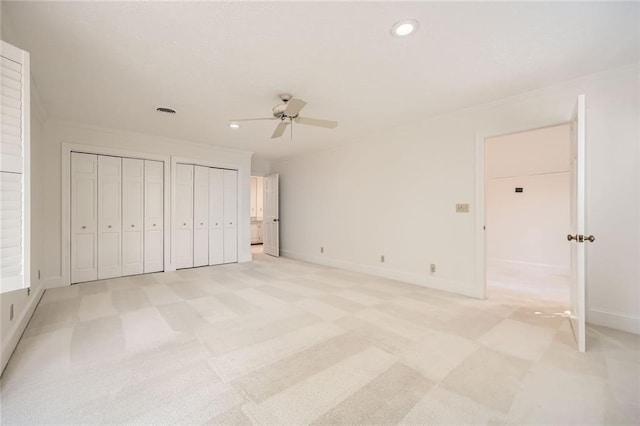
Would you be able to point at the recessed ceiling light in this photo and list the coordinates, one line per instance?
(234, 125)
(404, 28)
(166, 110)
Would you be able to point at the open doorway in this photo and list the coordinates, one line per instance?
(256, 214)
(527, 208)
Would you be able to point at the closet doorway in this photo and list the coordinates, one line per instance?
(117, 216)
(206, 231)
(527, 206)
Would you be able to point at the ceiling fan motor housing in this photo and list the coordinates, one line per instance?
(278, 110)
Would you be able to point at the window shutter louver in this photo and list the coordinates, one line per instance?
(14, 191)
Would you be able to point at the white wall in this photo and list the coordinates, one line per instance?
(58, 133)
(528, 227)
(24, 301)
(260, 166)
(394, 193)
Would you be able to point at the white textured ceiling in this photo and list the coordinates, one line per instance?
(111, 64)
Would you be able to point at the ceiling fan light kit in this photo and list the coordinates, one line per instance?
(288, 113)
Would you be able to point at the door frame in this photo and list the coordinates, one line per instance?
(65, 172)
(480, 198)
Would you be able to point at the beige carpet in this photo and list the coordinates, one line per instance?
(278, 341)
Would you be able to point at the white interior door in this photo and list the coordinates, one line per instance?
(577, 235)
(153, 216)
(201, 216)
(109, 217)
(184, 216)
(84, 217)
(132, 216)
(230, 181)
(216, 217)
(271, 224)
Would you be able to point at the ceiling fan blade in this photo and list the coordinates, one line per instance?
(280, 129)
(253, 119)
(329, 124)
(294, 106)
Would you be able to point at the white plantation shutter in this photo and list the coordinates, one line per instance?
(14, 168)
(11, 116)
(11, 230)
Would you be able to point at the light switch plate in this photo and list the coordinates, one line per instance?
(462, 208)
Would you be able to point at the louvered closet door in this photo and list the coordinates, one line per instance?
(230, 216)
(216, 217)
(84, 217)
(109, 217)
(184, 216)
(132, 216)
(153, 216)
(201, 216)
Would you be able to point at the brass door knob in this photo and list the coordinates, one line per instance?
(590, 238)
(572, 237)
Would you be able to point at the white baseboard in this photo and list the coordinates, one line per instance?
(407, 277)
(15, 333)
(540, 267)
(619, 321)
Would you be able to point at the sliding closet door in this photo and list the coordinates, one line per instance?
(109, 217)
(153, 216)
(84, 217)
(184, 216)
(216, 217)
(132, 216)
(201, 216)
(230, 178)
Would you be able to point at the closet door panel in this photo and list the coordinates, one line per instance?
(216, 217)
(201, 216)
(84, 217)
(132, 216)
(109, 217)
(230, 180)
(184, 216)
(153, 216)
(230, 245)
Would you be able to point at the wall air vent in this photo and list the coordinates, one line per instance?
(166, 110)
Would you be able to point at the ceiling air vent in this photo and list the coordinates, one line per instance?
(166, 110)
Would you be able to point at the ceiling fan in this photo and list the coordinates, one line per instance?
(288, 113)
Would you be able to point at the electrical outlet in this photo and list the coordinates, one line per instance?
(432, 268)
(382, 258)
(321, 249)
(11, 313)
(462, 208)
